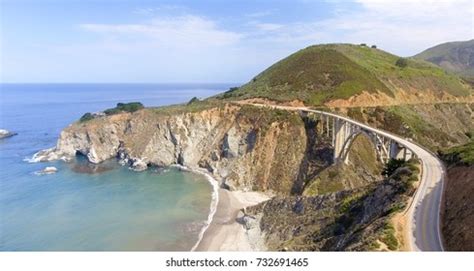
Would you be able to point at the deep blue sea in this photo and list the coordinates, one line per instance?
(85, 207)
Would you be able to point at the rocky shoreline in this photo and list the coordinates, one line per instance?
(243, 148)
(271, 153)
(5, 133)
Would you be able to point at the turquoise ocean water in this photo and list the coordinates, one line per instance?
(86, 207)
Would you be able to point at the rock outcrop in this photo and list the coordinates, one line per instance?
(347, 220)
(4, 133)
(243, 146)
(47, 170)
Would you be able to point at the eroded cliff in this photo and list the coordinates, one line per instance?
(243, 146)
(357, 219)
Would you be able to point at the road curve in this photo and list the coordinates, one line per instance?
(424, 211)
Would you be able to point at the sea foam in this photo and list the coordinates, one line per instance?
(214, 201)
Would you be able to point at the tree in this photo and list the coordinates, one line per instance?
(373, 46)
(87, 116)
(392, 165)
(124, 107)
(193, 100)
(401, 62)
(230, 92)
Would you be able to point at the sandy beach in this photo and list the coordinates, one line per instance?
(224, 233)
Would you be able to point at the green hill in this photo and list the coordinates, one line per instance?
(457, 57)
(322, 73)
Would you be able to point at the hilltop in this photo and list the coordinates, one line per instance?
(456, 57)
(341, 75)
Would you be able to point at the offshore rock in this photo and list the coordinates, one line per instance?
(5, 133)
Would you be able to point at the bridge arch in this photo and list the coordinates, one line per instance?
(343, 131)
(349, 142)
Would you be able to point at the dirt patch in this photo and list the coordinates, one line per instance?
(458, 209)
(293, 103)
(366, 99)
(399, 222)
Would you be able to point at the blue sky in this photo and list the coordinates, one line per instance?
(205, 41)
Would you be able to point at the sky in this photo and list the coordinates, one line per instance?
(87, 41)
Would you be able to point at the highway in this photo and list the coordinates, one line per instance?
(423, 213)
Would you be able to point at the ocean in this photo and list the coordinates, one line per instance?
(87, 207)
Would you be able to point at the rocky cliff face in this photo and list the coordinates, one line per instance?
(355, 219)
(245, 147)
(458, 209)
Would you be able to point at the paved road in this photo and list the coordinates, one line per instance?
(424, 212)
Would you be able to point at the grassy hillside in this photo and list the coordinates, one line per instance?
(457, 57)
(459, 155)
(322, 73)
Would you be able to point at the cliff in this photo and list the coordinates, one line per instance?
(357, 219)
(244, 147)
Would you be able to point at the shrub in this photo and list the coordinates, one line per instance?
(363, 44)
(87, 116)
(124, 107)
(401, 62)
(388, 236)
(397, 207)
(193, 100)
(229, 93)
(392, 165)
(373, 46)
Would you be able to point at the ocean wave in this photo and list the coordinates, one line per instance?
(38, 156)
(214, 200)
(46, 155)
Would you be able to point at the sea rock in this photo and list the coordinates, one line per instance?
(47, 170)
(5, 133)
(138, 165)
(47, 155)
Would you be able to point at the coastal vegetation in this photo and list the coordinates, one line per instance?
(323, 73)
(120, 108)
(459, 155)
(124, 107)
(455, 57)
(86, 117)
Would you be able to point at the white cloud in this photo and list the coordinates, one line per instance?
(407, 27)
(268, 26)
(182, 46)
(259, 14)
(181, 31)
(403, 27)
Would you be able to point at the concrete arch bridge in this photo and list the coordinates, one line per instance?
(423, 214)
(343, 132)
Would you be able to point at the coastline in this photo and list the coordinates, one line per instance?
(221, 231)
(224, 233)
(214, 200)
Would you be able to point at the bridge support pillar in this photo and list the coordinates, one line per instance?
(396, 151)
(340, 137)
